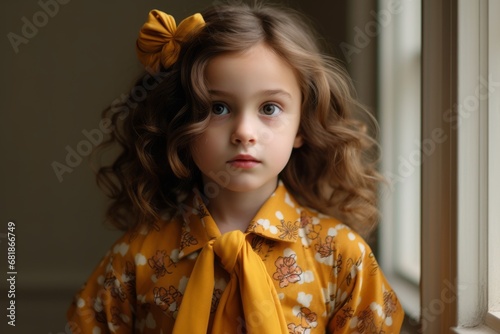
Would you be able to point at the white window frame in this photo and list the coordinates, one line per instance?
(460, 205)
(460, 193)
(477, 209)
(493, 315)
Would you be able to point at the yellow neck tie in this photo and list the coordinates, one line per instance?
(249, 303)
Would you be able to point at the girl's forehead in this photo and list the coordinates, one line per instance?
(259, 53)
(255, 71)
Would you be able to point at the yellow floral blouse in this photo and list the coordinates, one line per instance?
(323, 276)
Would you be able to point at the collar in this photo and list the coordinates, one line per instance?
(278, 219)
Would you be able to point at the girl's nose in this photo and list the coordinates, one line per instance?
(245, 130)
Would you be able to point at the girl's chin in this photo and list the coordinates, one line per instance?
(214, 188)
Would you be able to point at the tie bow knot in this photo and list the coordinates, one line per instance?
(228, 248)
(248, 290)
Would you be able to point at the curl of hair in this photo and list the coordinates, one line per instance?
(334, 172)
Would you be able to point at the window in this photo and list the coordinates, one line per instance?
(493, 193)
(399, 115)
(458, 197)
(477, 119)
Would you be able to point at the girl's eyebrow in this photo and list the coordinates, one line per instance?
(265, 93)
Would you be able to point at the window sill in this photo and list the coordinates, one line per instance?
(479, 329)
(492, 326)
(493, 320)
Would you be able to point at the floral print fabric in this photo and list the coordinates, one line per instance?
(325, 275)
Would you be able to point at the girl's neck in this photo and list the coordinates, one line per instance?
(234, 210)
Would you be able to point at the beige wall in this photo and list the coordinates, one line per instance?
(52, 89)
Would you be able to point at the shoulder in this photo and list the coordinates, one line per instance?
(142, 240)
(327, 235)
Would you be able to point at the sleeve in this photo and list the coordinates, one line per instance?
(364, 300)
(106, 302)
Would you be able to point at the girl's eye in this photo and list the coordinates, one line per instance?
(271, 110)
(220, 109)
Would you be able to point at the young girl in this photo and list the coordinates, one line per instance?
(235, 157)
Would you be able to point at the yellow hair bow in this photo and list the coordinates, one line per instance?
(159, 38)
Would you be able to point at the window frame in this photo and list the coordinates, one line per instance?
(492, 318)
(460, 215)
(457, 207)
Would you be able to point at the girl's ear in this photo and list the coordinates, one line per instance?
(298, 141)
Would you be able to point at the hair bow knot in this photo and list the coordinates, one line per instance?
(160, 38)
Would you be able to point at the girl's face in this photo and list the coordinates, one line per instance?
(256, 102)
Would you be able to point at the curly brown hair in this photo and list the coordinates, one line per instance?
(333, 172)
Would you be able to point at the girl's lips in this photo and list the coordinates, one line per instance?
(243, 161)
